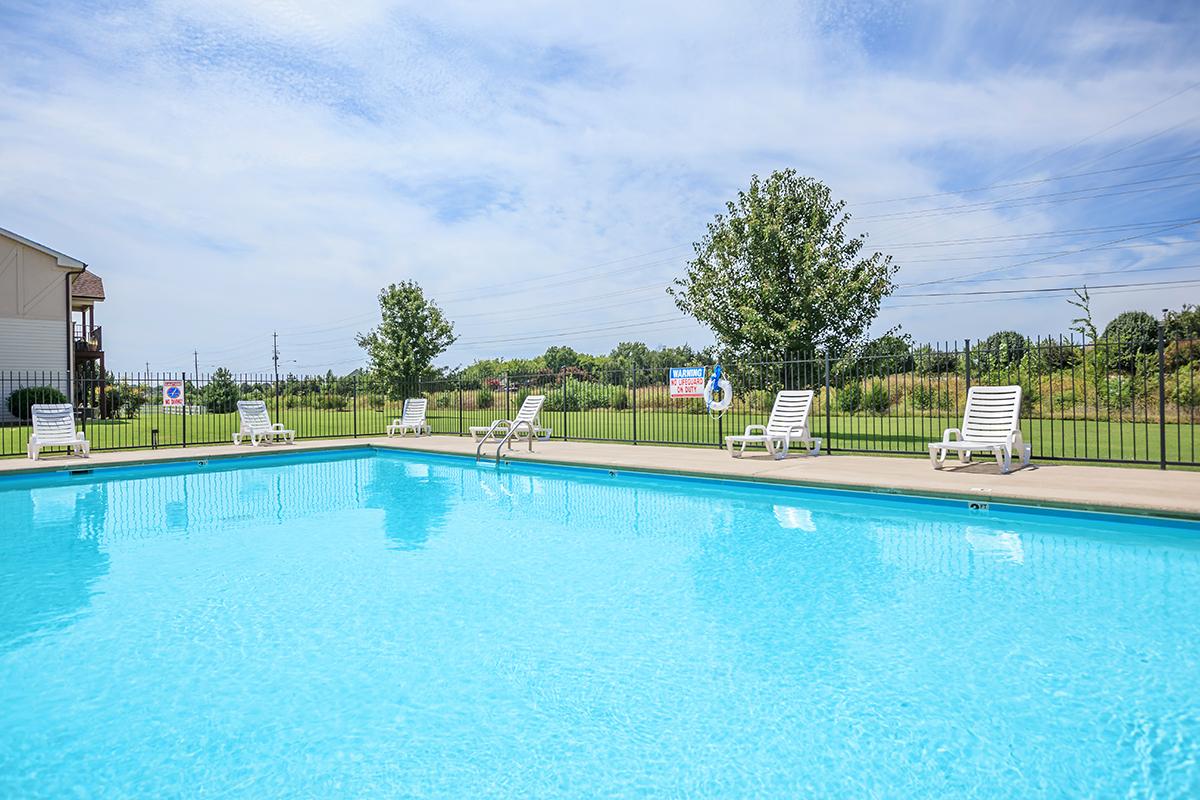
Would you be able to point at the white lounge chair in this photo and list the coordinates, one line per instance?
(991, 423)
(54, 426)
(524, 423)
(257, 426)
(412, 418)
(788, 423)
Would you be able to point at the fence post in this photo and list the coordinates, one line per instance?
(967, 361)
(183, 408)
(828, 408)
(633, 383)
(507, 399)
(460, 409)
(1162, 399)
(565, 394)
(355, 406)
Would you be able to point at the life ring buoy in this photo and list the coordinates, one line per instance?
(726, 389)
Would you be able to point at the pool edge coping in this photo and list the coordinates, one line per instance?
(316, 446)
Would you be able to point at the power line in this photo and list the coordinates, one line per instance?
(942, 303)
(1035, 181)
(1067, 196)
(908, 262)
(994, 270)
(1047, 289)
(1040, 235)
(1113, 126)
(1090, 273)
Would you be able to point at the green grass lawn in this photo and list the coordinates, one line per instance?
(1126, 441)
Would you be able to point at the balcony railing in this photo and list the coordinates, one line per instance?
(88, 339)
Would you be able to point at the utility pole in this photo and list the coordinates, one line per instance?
(196, 362)
(275, 359)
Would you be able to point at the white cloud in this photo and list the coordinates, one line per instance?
(237, 168)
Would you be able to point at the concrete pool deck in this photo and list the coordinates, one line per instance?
(1121, 489)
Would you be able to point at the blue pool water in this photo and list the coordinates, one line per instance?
(365, 625)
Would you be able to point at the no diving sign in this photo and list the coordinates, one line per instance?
(172, 393)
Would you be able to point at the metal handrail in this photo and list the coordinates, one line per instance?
(513, 427)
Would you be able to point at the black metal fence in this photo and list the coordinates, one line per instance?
(1114, 400)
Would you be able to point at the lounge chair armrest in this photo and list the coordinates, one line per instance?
(277, 426)
(797, 429)
(957, 434)
(750, 429)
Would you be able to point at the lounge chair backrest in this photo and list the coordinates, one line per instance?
(530, 409)
(254, 415)
(414, 411)
(790, 411)
(992, 413)
(53, 422)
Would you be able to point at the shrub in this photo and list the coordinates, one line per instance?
(521, 395)
(20, 400)
(332, 402)
(376, 402)
(558, 400)
(1049, 356)
(1181, 353)
(484, 398)
(601, 396)
(1184, 389)
(293, 401)
(928, 398)
(928, 361)
(876, 399)
(1130, 333)
(443, 400)
(850, 398)
(999, 351)
(1065, 399)
(759, 400)
(1115, 392)
(118, 400)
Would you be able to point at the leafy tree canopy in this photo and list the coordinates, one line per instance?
(221, 394)
(1184, 323)
(779, 274)
(413, 332)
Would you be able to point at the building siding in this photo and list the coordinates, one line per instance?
(33, 352)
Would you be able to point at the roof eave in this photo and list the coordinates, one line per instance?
(65, 261)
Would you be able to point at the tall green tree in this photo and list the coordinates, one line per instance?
(778, 273)
(412, 332)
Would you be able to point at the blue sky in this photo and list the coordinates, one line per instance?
(235, 168)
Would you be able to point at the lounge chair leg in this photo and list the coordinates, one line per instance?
(1003, 459)
(936, 456)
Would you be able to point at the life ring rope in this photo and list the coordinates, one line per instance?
(720, 383)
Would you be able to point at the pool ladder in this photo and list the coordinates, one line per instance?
(512, 431)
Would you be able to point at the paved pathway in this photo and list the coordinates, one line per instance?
(1174, 492)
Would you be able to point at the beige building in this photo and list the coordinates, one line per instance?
(47, 316)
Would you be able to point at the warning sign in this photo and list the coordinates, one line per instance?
(687, 381)
(172, 393)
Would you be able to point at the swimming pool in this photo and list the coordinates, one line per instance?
(369, 623)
